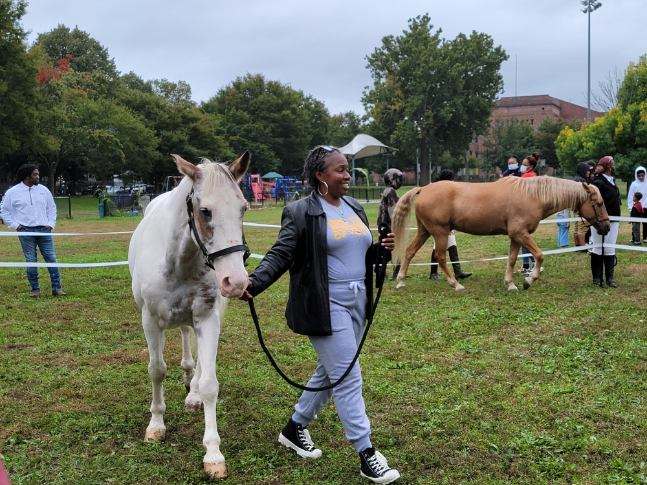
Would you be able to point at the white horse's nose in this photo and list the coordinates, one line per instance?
(233, 285)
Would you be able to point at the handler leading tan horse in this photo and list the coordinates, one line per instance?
(511, 205)
(173, 286)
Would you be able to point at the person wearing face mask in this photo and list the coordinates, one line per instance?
(638, 185)
(512, 169)
(604, 259)
(326, 244)
(527, 170)
(29, 207)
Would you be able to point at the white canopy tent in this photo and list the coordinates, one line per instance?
(363, 146)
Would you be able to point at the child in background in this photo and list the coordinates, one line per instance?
(637, 210)
(562, 228)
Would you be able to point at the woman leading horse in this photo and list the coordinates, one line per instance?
(511, 205)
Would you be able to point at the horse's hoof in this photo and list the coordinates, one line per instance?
(459, 287)
(399, 285)
(192, 404)
(527, 282)
(216, 471)
(155, 435)
(512, 287)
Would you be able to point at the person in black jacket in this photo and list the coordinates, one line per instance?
(326, 244)
(603, 259)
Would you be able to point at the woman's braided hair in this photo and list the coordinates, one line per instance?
(316, 162)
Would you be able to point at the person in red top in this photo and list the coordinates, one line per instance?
(528, 165)
(527, 170)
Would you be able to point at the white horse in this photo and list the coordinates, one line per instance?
(174, 287)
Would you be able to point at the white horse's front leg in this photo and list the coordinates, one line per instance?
(207, 331)
(156, 429)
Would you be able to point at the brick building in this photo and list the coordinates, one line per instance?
(532, 110)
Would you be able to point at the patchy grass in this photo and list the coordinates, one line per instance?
(546, 385)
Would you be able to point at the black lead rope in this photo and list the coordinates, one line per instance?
(350, 366)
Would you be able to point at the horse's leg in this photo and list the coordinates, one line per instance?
(187, 362)
(421, 236)
(441, 257)
(529, 242)
(192, 401)
(157, 371)
(512, 259)
(207, 330)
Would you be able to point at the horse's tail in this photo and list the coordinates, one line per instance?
(399, 223)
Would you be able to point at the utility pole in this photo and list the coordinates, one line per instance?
(589, 6)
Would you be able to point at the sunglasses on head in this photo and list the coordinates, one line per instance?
(322, 150)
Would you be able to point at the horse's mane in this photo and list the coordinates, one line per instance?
(215, 173)
(552, 190)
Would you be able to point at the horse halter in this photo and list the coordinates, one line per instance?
(209, 258)
(597, 219)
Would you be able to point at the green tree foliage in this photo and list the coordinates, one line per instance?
(508, 139)
(621, 132)
(86, 54)
(343, 128)
(277, 123)
(431, 95)
(545, 140)
(17, 87)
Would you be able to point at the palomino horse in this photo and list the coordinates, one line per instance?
(174, 287)
(511, 205)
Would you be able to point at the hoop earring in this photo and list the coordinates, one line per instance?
(320, 190)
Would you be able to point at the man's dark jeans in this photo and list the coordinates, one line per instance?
(46, 245)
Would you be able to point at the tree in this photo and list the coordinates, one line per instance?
(508, 139)
(607, 97)
(343, 128)
(431, 95)
(277, 123)
(17, 87)
(545, 140)
(85, 53)
(621, 132)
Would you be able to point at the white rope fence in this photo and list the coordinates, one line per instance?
(22, 264)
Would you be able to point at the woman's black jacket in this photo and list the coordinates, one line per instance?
(301, 247)
(610, 194)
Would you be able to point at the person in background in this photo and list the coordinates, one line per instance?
(637, 210)
(638, 185)
(393, 179)
(527, 170)
(562, 228)
(452, 248)
(512, 169)
(29, 207)
(603, 259)
(581, 228)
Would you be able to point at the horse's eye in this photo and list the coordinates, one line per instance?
(206, 213)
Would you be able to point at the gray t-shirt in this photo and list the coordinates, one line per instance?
(348, 240)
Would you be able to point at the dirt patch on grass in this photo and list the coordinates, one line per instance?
(124, 356)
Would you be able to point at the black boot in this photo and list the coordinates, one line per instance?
(609, 265)
(596, 270)
(433, 270)
(458, 272)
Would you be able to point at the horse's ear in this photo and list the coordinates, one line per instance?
(239, 166)
(185, 167)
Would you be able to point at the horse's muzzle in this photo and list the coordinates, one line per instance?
(233, 286)
(603, 227)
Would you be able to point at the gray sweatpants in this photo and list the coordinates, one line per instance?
(334, 354)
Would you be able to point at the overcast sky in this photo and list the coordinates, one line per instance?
(320, 46)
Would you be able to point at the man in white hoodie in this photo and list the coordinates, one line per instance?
(29, 207)
(638, 185)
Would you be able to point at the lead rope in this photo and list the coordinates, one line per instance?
(372, 308)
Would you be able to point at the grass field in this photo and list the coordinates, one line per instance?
(546, 385)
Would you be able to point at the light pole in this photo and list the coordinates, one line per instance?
(589, 6)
